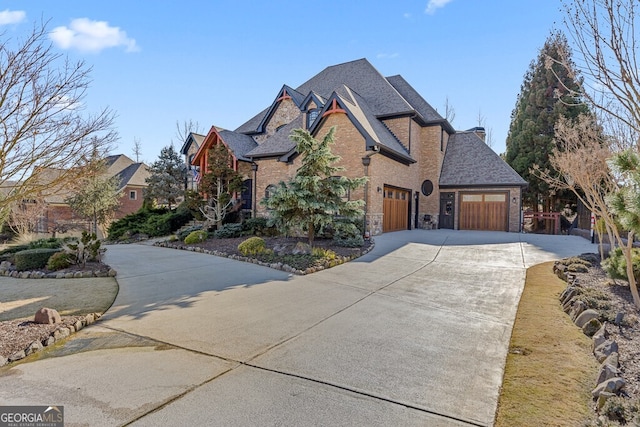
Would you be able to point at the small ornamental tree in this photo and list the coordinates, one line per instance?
(219, 183)
(167, 179)
(315, 197)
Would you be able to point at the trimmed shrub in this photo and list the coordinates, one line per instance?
(33, 259)
(616, 264)
(252, 246)
(228, 231)
(50, 243)
(59, 261)
(184, 233)
(196, 237)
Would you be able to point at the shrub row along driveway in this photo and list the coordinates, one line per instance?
(414, 333)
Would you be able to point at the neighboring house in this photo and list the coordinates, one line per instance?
(189, 150)
(55, 215)
(422, 173)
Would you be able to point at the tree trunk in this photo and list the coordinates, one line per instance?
(628, 255)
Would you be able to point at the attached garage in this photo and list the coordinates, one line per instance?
(484, 211)
(395, 209)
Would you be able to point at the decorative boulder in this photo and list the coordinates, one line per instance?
(605, 349)
(585, 317)
(591, 327)
(47, 316)
(301, 249)
(607, 372)
(612, 385)
(600, 337)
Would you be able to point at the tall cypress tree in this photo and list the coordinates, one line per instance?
(549, 91)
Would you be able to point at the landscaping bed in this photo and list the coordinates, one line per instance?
(280, 252)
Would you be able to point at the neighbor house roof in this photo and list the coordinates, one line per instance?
(469, 162)
(192, 138)
(135, 174)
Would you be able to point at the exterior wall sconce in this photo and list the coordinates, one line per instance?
(366, 161)
(514, 200)
(254, 167)
(379, 190)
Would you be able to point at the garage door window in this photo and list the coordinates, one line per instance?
(472, 197)
(495, 198)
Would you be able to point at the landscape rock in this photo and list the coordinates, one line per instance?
(33, 347)
(47, 316)
(90, 319)
(18, 355)
(301, 248)
(606, 373)
(591, 327)
(605, 349)
(50, 340)
(600, 337)
(586, 316)
(612, 385)
(577, 308)
(3, 361)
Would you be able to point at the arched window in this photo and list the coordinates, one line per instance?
(312, 115)
(268, 192)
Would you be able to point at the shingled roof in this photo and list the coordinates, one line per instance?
(383, 98)
(469, 162)
(240, 144)
(279, 143)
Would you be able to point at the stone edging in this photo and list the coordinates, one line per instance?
(7, 271)
(609, 382)
(59, 334)
(275, 266)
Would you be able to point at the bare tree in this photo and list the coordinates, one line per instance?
(185, 128)
(449, 111)
(137, 148)
(603, 35)
(42, 125)
(482, 122)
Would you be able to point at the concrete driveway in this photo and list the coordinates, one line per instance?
(414, 333)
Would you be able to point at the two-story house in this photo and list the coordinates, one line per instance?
(422, 172)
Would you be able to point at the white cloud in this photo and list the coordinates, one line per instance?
(435, 5)
(12, 16)
(91, 36)
(387, 55)
(407, 16)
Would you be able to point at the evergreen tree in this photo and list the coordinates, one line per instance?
(548, 93)
(316, 195)
(167, 179)
(219, 183)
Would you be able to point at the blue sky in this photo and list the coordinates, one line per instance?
(220, 62)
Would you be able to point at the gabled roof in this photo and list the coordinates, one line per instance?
(469, 162)
(192, 138)
(239, 144)
(135, 174)
(285, 93)
(372, 129)
(360, 76)
(279, 143)
(425, 111)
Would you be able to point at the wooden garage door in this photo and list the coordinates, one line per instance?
(395, 209)
(483, 211)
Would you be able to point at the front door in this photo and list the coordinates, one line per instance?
(447, 210)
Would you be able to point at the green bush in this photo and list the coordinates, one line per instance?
(59, 261)
(152, 222)
(196, 237)
(184, 233)
(228, 231)
(50, 243)
(616, 264)
(258, 227)
(33, 259)
(252, 246)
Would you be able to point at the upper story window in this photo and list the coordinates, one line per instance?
(312, 115)
(133, 195)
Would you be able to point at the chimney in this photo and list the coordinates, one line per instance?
(478, 130)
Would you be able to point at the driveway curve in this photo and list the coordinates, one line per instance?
(414, 333)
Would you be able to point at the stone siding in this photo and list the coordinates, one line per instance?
(286, 111)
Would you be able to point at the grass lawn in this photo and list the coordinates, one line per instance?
(21, 298)
(550, 371)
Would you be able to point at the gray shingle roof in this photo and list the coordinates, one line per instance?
(279, 143)
(375, 131)
(240, 144)
(363, 78)
(421, 106)
(468, 161)
(134, 174)
(193, 138)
